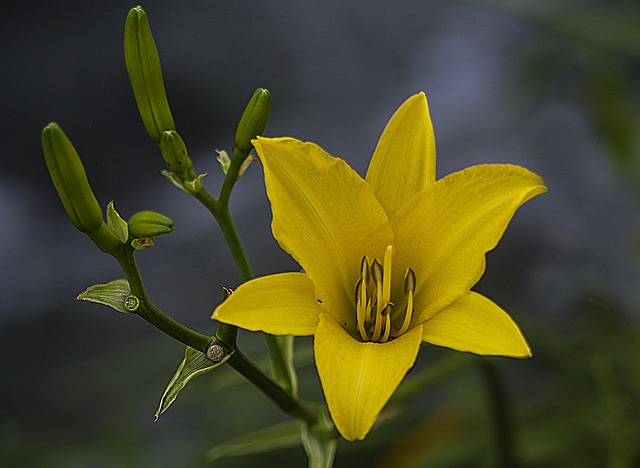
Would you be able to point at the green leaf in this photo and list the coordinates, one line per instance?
(279, 436)
(113, 294)
(116, 223)
(195, 363)
(224, 160)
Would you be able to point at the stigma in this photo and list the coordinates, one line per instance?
(377, 317)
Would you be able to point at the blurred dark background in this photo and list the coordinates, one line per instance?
(550, 85)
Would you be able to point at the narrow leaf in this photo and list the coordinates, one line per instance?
(195, 363)
(279, 436)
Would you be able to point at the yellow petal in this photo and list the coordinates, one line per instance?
(282, 304)
(404, 161)
(444, 231)
(359, 378)
(473, 323)
(325, 215)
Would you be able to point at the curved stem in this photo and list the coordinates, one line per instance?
(227, 333)
(222, 215)
(237, 158)
(148, 311)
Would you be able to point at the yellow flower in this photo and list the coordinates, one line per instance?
(389, 261)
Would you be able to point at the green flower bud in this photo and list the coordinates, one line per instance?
(147, 223)
(254, 120)
(70, 179)
(145, 74)
(174, 153)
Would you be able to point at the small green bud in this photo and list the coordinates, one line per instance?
(254, 120)
(174, 152)
(70, 179)
(146, 223)
(145, 74)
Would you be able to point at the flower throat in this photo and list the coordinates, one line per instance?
(374, 309)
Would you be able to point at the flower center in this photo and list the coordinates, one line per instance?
(374, 309)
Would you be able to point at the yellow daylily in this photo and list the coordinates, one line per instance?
(389, 261)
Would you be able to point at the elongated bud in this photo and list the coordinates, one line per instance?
(70, 179)
(254, 120)
(149, 224)
(174, 153)
(145, 74)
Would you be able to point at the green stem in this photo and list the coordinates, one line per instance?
(284, 400)
(222, 215)
(227, 333)
(502, 426)
(220, 211)
(237, 158)
(148, 311)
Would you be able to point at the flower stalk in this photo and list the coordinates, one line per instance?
(499, 406)
(148, 311)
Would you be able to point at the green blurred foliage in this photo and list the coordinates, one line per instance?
(588, 51)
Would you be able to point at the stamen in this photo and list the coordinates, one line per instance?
(409, 281)
(370, 316)
(364, 270)
(373, 300)
(378, 326)
(361, 310)
(386, 313)
(409, 288)
(376, 272)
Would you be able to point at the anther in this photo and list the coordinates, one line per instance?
(376, 271)
(364, 270)
(358, 291)
(409, 282)
(409, 288)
